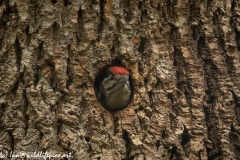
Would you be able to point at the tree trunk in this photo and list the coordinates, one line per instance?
(183, 57)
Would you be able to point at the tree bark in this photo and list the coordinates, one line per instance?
(183, 57)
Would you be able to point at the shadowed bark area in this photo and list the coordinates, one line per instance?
(183, 57)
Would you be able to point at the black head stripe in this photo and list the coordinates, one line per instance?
(108, 73)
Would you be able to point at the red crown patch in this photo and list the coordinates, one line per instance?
(118, 70)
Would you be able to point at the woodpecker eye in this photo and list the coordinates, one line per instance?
(111, 77)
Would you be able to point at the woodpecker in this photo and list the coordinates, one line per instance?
(114, 91)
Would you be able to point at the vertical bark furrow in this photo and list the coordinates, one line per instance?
(25, 114)
(37, 56)
(237, 106)
(212, 93)
(70, 69)
(101, 19)
(18, 53)
(1, 115)
(127, 10)
(80, 25)
(235, 140)
(28, 36)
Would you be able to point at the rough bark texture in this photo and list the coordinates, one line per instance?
(184, 61)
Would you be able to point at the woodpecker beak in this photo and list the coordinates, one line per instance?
(123, 81)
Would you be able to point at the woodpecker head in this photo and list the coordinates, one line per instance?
(115, 90)
(118, 73)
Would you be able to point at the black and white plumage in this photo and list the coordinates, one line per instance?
(115, 91)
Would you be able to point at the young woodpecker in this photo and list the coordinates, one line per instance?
(115, 91)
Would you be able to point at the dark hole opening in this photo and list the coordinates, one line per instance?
(164, 134)
(233, 129)
(65, 2)
(170, 96)
(87, 139)
(185, 136)
(158, 144)
(173, 152)
(125, 136)
(54, 1)
(141, 47)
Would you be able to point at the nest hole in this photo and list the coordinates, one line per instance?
(101, 75)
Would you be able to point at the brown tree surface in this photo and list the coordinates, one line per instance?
(183, 57)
